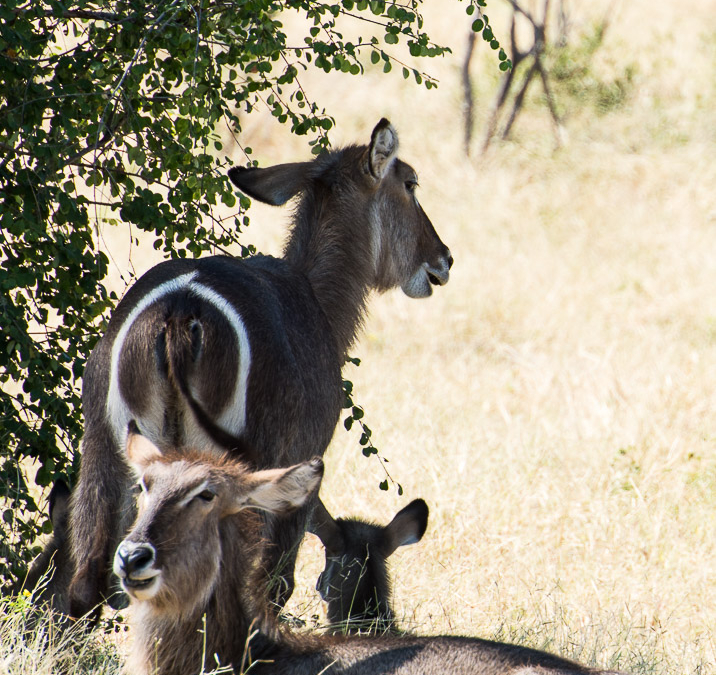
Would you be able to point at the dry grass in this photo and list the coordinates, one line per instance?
(555, 403)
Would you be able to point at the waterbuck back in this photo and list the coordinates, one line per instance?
(355, 583)
(246, 355)
(189, 564)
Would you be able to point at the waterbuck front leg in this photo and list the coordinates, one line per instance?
(99, 516)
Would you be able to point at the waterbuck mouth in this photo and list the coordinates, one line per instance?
(143, 588)
(137, 584)
(434, 280)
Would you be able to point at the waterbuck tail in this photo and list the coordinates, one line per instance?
(181, 347)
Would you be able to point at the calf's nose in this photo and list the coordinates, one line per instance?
(133, 558)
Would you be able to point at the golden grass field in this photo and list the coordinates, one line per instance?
(555, 403)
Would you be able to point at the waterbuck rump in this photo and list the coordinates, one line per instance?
(189, 565)
(245, 355)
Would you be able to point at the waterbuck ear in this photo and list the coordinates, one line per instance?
(281, 490)
(59, 502)
(383, 148)
(324, 526)
(141, 452)
(408, 526)
(274, 185)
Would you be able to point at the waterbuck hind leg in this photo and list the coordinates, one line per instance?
(99, 515)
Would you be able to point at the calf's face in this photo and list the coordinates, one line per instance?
(171, 558)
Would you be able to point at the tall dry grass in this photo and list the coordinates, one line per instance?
(555, 404)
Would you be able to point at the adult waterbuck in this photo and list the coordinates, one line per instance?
(189, 564)
(246, 355)
(355, 583)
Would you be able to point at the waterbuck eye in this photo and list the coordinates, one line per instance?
(206, 495)
(411, 184)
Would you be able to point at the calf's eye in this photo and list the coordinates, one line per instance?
(206, 495)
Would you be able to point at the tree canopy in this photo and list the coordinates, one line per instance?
(109, 113)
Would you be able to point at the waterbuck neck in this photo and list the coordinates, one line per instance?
(174, 641)
(332, 243)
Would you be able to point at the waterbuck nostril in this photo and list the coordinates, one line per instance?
(134, 557)
(450, 261)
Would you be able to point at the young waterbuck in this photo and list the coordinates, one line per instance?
(190, 565)
(355, 582)
(246, 355)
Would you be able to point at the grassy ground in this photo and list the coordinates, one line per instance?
(555, 403)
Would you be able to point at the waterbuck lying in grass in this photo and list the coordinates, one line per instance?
(246, 355)
(190, 565)
(355, 582)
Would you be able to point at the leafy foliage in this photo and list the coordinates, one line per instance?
(109, 112)
(357, 415)
(481, 25)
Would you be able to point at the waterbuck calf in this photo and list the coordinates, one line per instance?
(355, 583)
(246, 355)
(190, 565)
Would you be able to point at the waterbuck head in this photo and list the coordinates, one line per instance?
(172, 557)
(358, 225)
(355, 582)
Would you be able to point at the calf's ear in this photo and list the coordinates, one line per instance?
(141, 452)
(408, 526)
(279, 490)
(59, 504)
(325, 527)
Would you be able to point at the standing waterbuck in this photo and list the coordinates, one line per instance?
(246, 355)
(355, 583)
(189, 564)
